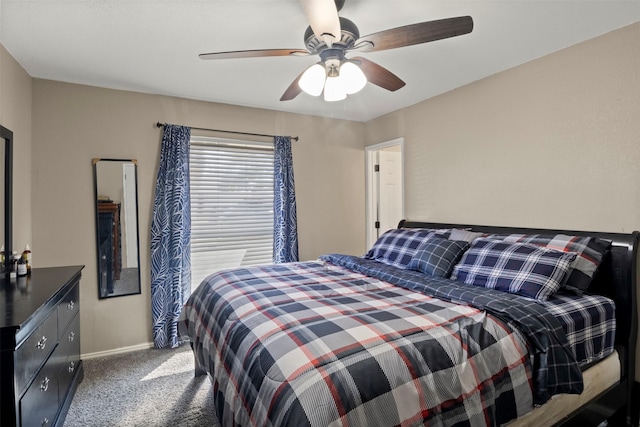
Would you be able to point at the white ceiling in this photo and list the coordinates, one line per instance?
(152, 46)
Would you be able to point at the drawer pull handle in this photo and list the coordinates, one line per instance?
(72, 367)
(70, 305)
(45, 422)
(72, 335)
(42, 343)
(45, 384)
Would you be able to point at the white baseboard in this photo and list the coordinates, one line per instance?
(115, 351)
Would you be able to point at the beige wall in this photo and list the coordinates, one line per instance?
(554, 143)
(73, 124)
(15, 115)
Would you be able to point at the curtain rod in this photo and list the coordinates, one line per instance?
(295, 138)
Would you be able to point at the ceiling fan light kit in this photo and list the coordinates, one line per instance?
(331, 36)
(312, 80)
(353, 77)
(336, 79)
(334, 89)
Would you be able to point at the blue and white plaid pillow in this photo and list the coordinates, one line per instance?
(518, 268)
(437, 256)
(590, 253)
(396, 247)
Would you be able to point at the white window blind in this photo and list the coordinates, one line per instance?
(231, 205)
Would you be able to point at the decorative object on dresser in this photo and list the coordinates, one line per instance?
(40, 366)
(116, 200)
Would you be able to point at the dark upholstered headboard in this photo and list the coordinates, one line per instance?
(616, 278)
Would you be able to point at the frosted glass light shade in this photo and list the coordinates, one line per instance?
(353, 79)
(312, 80)
(334, 89)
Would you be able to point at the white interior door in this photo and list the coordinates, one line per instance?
(390, 190)
(385, 188)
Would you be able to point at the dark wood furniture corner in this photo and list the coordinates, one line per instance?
(40, 366)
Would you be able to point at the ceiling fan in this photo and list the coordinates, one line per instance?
(331, 37)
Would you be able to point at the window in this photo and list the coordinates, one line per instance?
(231, 205)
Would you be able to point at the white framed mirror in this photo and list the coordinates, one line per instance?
(117, 239)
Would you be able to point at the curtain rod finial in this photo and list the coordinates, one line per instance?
(158, 124)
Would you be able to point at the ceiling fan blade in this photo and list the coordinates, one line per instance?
(293, 90)
(234, 54)
(323, 19)
(422, 32)
(378, 75)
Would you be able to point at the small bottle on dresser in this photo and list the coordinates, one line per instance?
(22, 267)
(26, 256)
(14, 265)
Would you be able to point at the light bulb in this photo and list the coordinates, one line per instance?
(353, 79)
(312, 80)
(334, 89)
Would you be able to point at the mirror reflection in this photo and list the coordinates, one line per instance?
(6, 164)
(116, 200)
(2, 177)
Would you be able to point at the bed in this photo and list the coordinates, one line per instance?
(420, 331)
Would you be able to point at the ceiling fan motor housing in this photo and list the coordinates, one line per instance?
(348, 36)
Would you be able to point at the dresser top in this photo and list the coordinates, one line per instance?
(20, 298)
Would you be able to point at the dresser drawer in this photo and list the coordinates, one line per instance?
(34, 351)
(67, 355)
(67, 308)
(39, 405)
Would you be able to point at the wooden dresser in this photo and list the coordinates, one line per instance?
(40, 366)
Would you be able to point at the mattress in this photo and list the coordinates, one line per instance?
(598, 378)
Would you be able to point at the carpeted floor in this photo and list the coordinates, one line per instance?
(154, 388)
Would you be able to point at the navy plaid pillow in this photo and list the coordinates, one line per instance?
(437, 256)
(590, 253)
(518, 268)
(397, 246)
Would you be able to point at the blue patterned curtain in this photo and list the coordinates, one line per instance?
(171, 237)
(285, 223)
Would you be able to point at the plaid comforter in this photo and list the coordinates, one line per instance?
(319, 344)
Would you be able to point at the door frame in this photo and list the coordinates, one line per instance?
(371, 185)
